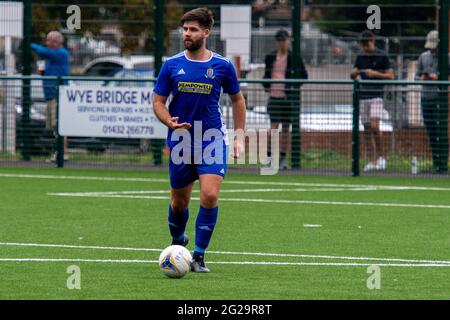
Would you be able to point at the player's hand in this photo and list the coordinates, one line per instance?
(173, 124)
(238, 148)
(433, 76)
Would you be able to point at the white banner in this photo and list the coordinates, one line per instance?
(11, 19)
(111, 112)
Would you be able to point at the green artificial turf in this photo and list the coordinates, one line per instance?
(277, 237)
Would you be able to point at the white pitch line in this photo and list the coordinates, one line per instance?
(100, 193)
(74, 260)
(264, 183)
(68, 246)
(132, 192)
(343, 264)
(312, 225)
(340, 203)
(296, 190)
(58, 177)
(123, 196)
(300, 184)
(325, 264)
(291, 255)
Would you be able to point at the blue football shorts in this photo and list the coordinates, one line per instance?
(184, 174)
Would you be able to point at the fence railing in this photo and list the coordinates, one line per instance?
(328, 122)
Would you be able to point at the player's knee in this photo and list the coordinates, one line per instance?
(209, 199)
(179, 205)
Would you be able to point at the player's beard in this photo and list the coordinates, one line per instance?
(193, 45)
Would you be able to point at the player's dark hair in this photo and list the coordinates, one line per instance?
(203, 16)
(366, 36)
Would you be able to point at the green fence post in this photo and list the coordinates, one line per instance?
(355, 130)
(59, 139)
(442, 125)
(158, 144)
(26, 83)
(296, 139)
(296, 56)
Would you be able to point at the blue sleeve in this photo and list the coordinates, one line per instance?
(163, 85)
(47, 53)
(230, 82)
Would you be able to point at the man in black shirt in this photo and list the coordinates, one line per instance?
(372, 64)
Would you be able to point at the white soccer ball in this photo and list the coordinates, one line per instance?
(175, 261)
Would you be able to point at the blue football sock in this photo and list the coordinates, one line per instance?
(204, 227)
(177, 224)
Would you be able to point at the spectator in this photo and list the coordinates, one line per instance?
(281, 105)
(372, 64)
(427, 69)
(56, 64)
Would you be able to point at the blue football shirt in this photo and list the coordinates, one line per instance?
(195, 88)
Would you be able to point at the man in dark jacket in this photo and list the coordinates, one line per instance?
(281, 107)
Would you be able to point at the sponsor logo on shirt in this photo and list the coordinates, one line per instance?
(194, 87)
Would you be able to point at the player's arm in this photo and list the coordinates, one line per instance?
(239, 109)
(161, 112)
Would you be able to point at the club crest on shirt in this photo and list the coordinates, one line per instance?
(210, 73)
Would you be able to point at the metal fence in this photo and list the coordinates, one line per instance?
(122, 39)
(329, 33)
(328, 37)
(326, 124)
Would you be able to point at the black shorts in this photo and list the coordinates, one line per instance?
(281, 110)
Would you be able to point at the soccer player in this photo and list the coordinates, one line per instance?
(194, 79)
